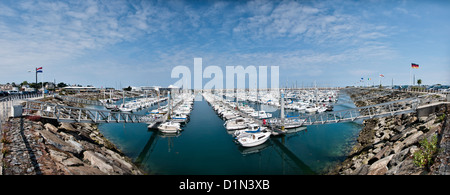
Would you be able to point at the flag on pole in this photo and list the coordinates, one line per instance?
(414, 65)
(39, 70)
(381, 75)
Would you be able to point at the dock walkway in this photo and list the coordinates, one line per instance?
(85, 115)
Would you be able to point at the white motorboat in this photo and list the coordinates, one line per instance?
(322, 109)
(179, 118)
(293, 123)
(253, 139)
(261, 114)
(169, 127)
(246, 109)
(183, 110)
(123, 108)
(251, 128)
(228, 114)
(110, 106)
(311, 109)
(301, 108)
(236, 123)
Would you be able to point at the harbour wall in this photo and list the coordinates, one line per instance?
(386, 145)
(32, 145)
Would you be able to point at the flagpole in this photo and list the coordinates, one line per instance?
(379, 76)
(43, 88)
(36, 88)
(410, 71)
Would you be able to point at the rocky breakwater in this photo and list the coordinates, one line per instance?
(387, 145)
(33, 146)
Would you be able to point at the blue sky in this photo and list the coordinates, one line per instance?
(120, 43)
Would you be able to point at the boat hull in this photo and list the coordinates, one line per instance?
(169, 128)
(254, 140)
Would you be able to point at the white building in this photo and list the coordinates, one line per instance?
(75, 89)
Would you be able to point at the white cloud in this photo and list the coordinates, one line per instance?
(307, 22)
(314, 38)
(59, 30)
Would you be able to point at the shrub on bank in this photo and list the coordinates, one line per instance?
(425, 155)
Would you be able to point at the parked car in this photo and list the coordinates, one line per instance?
(13, 92)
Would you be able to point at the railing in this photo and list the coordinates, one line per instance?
(5, 107)
(7, 102)
(82, 115)
(377, 110)
(87, 115)
(21, 96)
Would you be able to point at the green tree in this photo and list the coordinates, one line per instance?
(425, 155)
(61, 85)
(24, 83)
(419, 82)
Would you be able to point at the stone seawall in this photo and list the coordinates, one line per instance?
(34, 146)
(386, 145)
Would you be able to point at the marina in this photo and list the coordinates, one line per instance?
(213, 133)
(150, 87)
(205, 146)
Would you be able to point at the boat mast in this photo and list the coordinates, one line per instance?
(168, 105)
(315, 95)
(157, 96)
(282, 110)
(258, 105)
(123, 98)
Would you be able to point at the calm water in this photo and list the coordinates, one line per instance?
(205, 147)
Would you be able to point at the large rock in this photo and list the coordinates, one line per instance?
(380, 154)
(65, 159)
(380, 167)
(99, 161)
(406, 167)
(67, 127)
(76, 146)
(362, 170)
(120, 160)
(51, 128)
(410, 140)
(84, 170)
(399, 157)
(54, 140)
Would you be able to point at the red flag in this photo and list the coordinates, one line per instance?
(413, 65)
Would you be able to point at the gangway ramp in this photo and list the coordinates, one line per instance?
(82, 115)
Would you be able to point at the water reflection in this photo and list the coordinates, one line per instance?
(254, 150)
(205, 147)
(290, 158)
(144, 155)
